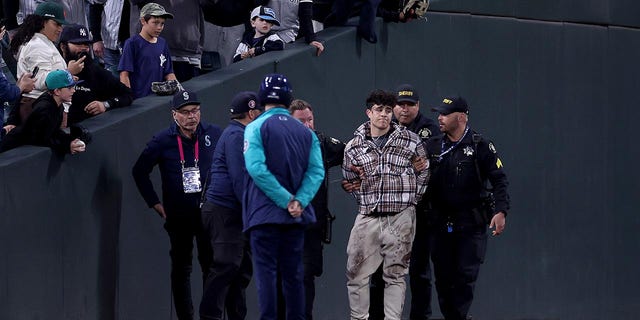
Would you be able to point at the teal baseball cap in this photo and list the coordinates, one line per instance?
(51, 10)
(60, 79)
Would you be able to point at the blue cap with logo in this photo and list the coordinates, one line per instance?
(75, 33)
(60, 79)
(245, 101)
(265, 13)
(183, 98)
(275, 89)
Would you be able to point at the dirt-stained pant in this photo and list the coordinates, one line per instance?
(376, 240)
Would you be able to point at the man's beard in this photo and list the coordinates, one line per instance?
(75, 56)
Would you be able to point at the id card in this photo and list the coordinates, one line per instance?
(191, 180)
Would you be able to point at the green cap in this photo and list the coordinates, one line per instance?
(60, 79)
(155, 10)
(51, 10)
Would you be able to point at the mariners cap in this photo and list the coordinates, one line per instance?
(51, 10)
(75, 33)
(265, 13)
(452, 104)
(183, 98)
(156, 10)
(245, 101)
(406, 93)
(60, 79)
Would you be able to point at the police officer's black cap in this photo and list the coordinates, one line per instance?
(183, 98)
(407, 93)
(452, 104)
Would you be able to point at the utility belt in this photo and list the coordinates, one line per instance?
(480, 215)
(484, 213)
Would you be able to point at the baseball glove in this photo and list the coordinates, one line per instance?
(414, 9)
(165, 88)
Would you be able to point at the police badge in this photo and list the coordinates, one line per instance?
(424, 133)
(468, 151)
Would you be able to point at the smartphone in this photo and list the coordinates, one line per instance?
(35, 71)
(3, 22)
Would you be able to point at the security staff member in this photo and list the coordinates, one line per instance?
(183, 153)
(462, 161)
(230, 271)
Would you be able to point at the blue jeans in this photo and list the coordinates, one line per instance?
(111, 60)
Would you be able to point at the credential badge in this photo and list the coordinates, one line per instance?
(468, 151)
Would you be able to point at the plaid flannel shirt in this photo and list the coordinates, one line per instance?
(390, 183)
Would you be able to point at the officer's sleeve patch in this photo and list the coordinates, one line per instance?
(498, 163)
(492, 147)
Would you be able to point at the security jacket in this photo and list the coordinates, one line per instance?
(162, 151)
(283, 158)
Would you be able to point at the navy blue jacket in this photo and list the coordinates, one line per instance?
(284, 160)
(8, 92)
(227, 175)
(162, 151)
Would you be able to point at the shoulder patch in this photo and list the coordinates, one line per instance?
(492, 147)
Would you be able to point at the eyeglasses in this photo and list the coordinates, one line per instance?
(193, 112)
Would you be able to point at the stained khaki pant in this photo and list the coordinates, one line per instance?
(374, 241)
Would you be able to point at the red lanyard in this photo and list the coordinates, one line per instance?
(195, 151)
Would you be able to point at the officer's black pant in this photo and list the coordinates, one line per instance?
(456, 259)
(183, 227)
(420, 271)
(312, 264)
(231, 269)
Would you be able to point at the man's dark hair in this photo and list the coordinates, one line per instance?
(299, 105)
(239, 116)
(382, 98)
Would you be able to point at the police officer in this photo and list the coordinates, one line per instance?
(462, 161)
(183, 153)
(318, 233)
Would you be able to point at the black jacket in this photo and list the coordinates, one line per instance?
(455, 188)
(332, 153)
(99, 85)
(261, 45)
(424, 127)
(42, 128)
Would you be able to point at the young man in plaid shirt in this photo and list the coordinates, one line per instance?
(381, 157)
